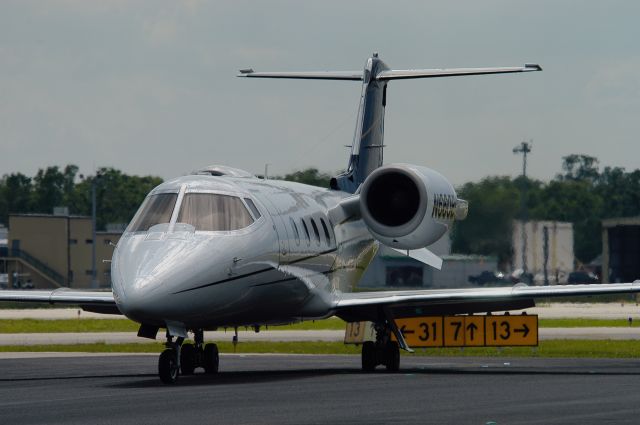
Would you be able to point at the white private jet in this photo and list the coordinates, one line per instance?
(222, 248)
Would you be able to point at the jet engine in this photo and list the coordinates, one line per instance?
(409, 207)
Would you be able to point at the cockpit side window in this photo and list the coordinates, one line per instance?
(253, 208)
(214, 212)
(155, 209)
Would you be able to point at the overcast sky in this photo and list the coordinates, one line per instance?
(149, 87)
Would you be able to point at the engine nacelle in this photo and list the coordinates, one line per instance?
(409, 207)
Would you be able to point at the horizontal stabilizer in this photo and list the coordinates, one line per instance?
(392, 74)
(423, 255)
(318, 75)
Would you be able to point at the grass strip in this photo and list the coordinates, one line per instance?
(547, 349)
(124, 325)
(588, 323)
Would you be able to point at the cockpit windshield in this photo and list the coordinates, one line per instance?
(214, 212)
(156, 209)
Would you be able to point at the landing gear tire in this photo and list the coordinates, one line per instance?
(392, 356)
(369, 357)
(168, 366)
(211, 359)
(187, 359)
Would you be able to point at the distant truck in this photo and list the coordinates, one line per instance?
(577, 278)
(488, 277)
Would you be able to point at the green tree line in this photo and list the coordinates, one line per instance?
(118, 195)
(581, 194)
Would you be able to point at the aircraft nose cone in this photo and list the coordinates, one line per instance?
(141, 273)
(140, 301)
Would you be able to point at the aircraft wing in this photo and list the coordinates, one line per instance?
(96, 301)
(367, 305)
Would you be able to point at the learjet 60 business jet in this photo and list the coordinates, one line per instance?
(222, 248)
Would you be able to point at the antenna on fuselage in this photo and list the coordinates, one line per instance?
(266, 171)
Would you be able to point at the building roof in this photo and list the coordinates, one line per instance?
(621, 221)
(42, 215)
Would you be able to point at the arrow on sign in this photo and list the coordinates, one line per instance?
(524, 330)
(405, 331)
(472, 328)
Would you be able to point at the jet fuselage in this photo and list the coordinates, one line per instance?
(284, 263)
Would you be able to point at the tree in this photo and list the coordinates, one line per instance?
(48, 190)
(309, 176)
(577, 202)
(119, 195)
(579, 167)
(620, 192)
(493, 205)
(15, 195)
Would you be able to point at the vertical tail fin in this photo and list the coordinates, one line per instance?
(368, 141)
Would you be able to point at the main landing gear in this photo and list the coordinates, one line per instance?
(179, 358)
(384, 351)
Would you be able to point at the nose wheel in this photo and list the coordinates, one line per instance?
(182, 359)
(168, 366)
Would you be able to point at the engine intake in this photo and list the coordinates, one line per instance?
(394, 199)
(408, 207)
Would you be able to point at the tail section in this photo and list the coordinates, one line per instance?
(368, 141)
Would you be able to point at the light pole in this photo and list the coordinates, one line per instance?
(94, 274)
(524, 148)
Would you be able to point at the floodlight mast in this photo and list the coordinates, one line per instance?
(524, 148)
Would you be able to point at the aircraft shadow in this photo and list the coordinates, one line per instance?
(240, 377)
(264, 376)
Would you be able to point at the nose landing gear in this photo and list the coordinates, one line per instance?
(179, 358)
(384, 351)
(169, 361)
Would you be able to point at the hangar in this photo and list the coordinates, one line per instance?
(55, 250)
(621, 249)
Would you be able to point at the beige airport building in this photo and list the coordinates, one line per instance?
(51, 251)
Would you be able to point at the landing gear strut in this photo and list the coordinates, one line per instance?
(383, 351)
(179, 358)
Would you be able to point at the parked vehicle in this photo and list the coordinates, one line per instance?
(582, 277)
(559, 278)
(519, 276)
(488, 277)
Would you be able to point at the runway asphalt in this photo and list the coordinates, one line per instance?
(295, 389)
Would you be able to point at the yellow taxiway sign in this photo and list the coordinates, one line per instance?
(470, 331)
